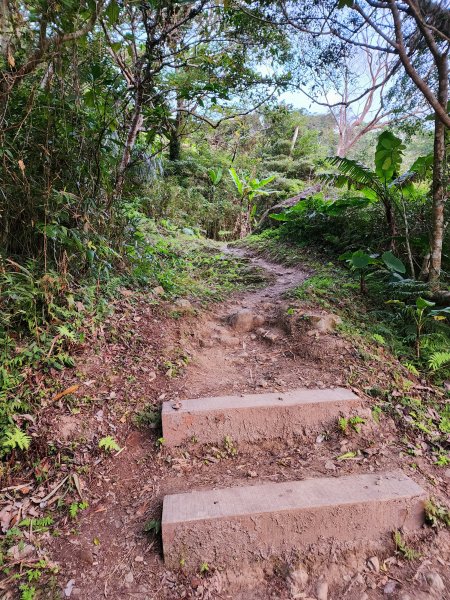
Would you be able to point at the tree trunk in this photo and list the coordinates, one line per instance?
(175, 134)
(174, 141)
(391, 223)
(439, 180)
(135, 126)
(294, 140)
(5, 29)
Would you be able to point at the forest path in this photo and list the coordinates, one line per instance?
(110, 556)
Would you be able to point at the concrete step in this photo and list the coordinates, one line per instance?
(254, 417)
(227, 527)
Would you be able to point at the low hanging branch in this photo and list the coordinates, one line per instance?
(48, 46)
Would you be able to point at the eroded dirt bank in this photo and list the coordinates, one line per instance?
(143, 358)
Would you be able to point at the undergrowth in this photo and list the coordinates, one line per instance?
(382, 329)
(48, 314)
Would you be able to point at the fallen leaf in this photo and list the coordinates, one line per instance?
(5, 517)
(21, 551)
(76, 481)
(21, 165)
(11, 61)
(346, 456)
(70, 390)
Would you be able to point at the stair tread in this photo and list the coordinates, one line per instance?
(291, 398)
(272, 497)
(238, 525)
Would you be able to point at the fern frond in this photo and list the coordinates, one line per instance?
(438, 360)
(16, 438)
(109, 444)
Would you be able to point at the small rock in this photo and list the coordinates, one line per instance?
(245, 320)
(434, 580)
(129, 577)
(262, 383)
(322, 590)
(139, 558)
(298, 580)
(374, 564)
(330, 466)
(85, 556)
(271, 337)
(69, 588)
(389, 588)
(184, 306)
(227, 340)
(252, 474)
(158, 291)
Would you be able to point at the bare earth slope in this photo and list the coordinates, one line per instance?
(270, 346)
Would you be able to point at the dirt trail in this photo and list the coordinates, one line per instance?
(108, 555)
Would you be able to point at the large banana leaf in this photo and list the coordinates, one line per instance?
(388, 156)
(352, 174)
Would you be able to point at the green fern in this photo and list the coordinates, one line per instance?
(41, 523)
(75, 507)
(403, 548)
(411, 368)
(16, 438)
(438, 360)
(436, 515)
(27, 592)
(108, 444)
(65, 332)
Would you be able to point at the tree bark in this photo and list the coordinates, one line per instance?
(175, 134)
(439, 179)
(294, 140)
(135, 126)
(391, 222)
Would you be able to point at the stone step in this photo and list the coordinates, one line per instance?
(254, 417)
(227, 527)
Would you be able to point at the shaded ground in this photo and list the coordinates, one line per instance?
(142, 357)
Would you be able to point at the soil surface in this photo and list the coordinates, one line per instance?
(143, 357)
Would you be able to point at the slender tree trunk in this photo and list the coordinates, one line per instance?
(294, 140)
(439, 180)
(391, 222)
(175, 135)
(135, 126)
(407, 242)
(174, 141)
(5, 29)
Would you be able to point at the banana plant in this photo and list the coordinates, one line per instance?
(215, 175)
(421, 313)
(384, 182)
(248, 190)
(363, 264)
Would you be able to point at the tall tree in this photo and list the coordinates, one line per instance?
(181, 61)
(356, 93)
(417, 34)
